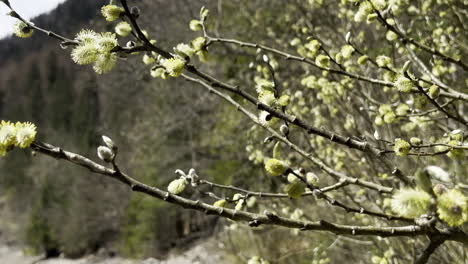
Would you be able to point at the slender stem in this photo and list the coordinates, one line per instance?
(252, 218)
(429, 250)
(293, 146)
(248, 193)
(405, 39)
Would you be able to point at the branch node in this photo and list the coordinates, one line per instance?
(255, 223)
(270, 215)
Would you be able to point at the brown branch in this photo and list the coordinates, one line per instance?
(140, 34)
(405, 39)
(64, 41)
(289, 56)
(248, 193)
(436, 104)
(252, 218)
(308, 156)
(431, 247)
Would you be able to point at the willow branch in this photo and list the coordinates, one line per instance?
(460, 119)
(248, 193)
(292, 57)
(429, 250)
(252, 218)
(308, 156)
(64, 40)
(405, 39)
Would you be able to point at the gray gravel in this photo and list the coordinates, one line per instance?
(203, 253)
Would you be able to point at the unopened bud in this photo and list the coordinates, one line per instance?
(135, 11)
(284, 129)
(348, 37)
(130, 44)
(105, 153)
(177, 186)
(13, 14)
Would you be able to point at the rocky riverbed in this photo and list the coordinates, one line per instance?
(201, 253)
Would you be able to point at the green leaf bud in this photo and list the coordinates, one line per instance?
(434, 91)
(275, 167)
(456, 134)
(174, 66)
(339, 58)
(25, 134)
(420, 101)
(415, 141)
(105, 63)
(383, 61)
(198, 43)
(284, 100)
(204, 12)
(389, 117)
(267, 97)
(294, 42)
(453, 208)
(177, 186)
(379, 120)
(239, 205)
(7, 134)
(262, 85)
(369, 19)
(203, 55)
(220, 203)
(312, 178)
(295, 190)
(403, 84)
(389, 76)
(105, 42)
(123, 29)
(112, 12)
(391, 36)
(347, 51)
(312, 47)
(293, 178)
(379, 4)
(277, 150)
(22, 30)
(402, 110)
(363, 59)
(401, 148)
(365, 8)
(184, 50)
(157, 72)
(251, 201)
(323, 61)
(385, 108)
(410, 202)
(148, 59)
(195, 25)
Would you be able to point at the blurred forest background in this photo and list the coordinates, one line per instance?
(160, 126)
